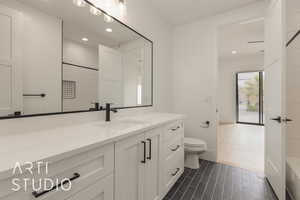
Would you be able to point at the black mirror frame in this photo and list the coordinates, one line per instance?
(119, 108)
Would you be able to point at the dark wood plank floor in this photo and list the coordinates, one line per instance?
(214, 181)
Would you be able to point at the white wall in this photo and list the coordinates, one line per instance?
(86, 91)
(80, 54)
(195, 69)
(142, 17)
(227, 85)
(41, 65)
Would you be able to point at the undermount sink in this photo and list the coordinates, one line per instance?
(120, 124)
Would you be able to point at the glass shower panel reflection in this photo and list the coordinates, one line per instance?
(248, 98)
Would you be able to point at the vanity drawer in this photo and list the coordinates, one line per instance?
(101, 190)
(174, 169)
(175, 129)
(83, 167)
(173, 146)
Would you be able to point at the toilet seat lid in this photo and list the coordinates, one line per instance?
(193, 142)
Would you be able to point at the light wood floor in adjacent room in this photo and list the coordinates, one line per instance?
(241, 146)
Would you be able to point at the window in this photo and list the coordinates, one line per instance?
(249, 98)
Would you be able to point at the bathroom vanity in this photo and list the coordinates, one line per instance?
(61, 61)
(131, 158)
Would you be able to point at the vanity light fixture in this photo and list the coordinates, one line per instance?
(109, 30)
(85, 39)
(79, 3)
(108, 19)
(95, 11)
(234, 52)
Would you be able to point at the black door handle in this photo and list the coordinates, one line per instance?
(287, 120)
(144, 159)
(278, 119)
(150, 149)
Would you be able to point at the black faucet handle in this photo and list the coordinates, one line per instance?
(97, 105)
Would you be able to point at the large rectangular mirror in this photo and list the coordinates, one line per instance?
(57, 57)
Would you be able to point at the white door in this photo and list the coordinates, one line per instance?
(275, 66)
(129, 168)
(133, 77)
(151, 183)
(110, 76)
(10, 73)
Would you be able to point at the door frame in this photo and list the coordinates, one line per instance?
(261, 92)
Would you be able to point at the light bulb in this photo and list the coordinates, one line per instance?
(108, 18)
(95, 11)
(79, 3)
(122, 8)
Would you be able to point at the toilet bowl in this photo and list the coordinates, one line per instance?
(193, 148)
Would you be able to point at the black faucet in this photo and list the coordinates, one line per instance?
(108, 109)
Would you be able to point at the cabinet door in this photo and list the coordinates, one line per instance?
(101, 190)
(129, 168)
(151, 181)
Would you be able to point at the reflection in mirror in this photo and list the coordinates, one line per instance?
(55, 61)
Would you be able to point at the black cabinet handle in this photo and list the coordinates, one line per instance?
(144, 159)
(35, 95)
(175, 129)
(150, 149)
(178, 146)
(38, 194)
(176, 172)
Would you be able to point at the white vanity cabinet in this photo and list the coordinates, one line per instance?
(137, 167)
(173, 154)
(143, 165)
(148, 165)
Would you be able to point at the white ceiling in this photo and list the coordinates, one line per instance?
(179, 12)
(235, 37)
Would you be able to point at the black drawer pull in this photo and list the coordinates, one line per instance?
(150, 149)
(176, 172)
(38, 194)
(144, 159)
(178, 146)
(175, 129)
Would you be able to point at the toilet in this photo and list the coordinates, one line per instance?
(192, 149)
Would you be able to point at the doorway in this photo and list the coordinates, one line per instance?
(249, 98)
(241, 134)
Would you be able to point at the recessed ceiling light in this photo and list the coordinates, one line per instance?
(234, 52)
(85, 39)
(108, 30)
(79, 3)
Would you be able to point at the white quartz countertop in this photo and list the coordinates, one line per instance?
(57, 143)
